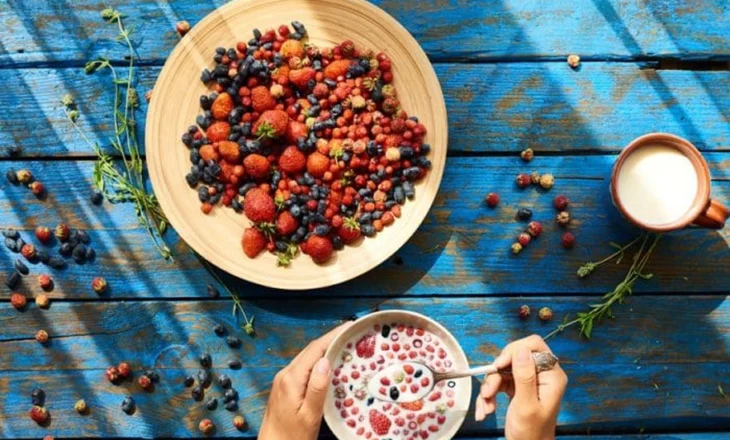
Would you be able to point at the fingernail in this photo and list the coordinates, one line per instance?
(523, 355)
(323, 366)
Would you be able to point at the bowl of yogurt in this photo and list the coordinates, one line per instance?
(355, 408)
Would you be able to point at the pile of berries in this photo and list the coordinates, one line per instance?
(310, 143)
(25, 177)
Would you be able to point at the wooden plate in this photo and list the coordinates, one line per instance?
(175, 104)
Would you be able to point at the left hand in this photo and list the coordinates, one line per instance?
(296, 402)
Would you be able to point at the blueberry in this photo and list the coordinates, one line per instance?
(189, 381)
(12, 177)
(220, 50)
(337, 243)
(187, 139)
(234, 364)
(205, 76)
(224, 381)
(296, 36)
(19, 243)
(22, 268)
(299, 27)
(205, 360)
(152, 374)
(418, 373)
(370, 401)
(524, 214)
(425, 149)
(322, 230)
(332, 84)
(385, 331)
(203, 377)
(406, 152)
(38, 397)
(83, 237)
(409, 190)
(211, 404)
(230, 395)
(232, 405)
(56, 263)
(42, 256)
(366, 218)
(367, 230)
(219, 330)
(205, 103)
(394, 393)
(96, 197)
(11, 233)
(79, 253)
(233, 341)
(128, 405)
(197, 392)
(399, 195)
(281, 246)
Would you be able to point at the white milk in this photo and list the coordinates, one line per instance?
(657, 184)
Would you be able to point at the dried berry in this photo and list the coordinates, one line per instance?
(204, 377)
(527, 154)
(182, 27)
(112, 374)
(213, 292)
(12, 279)
(219, 330)
(492, 199)
(205, 360)
(523, 180)
(43, 234)
(38, 397)
(18, 300)
(99, 285)
(197, 392)
(42, 256)
(12, 177)
(45, 282)
(524, 214)
(42, 301)
(560, 202)
(563, 218)
(97, 197)
(534, 229)
(232, 405)
(224, 381)
(567, 240)
(37, 188)
(524, 239)
(56, 263)
(524, 311)
(206, 427)
(128, 405)
(12, 245)
(144, 382)
(547, 181)
(79, 253)
(40, 415)
(230, 395)
(11, 233)
(80, 406)
(211, 404)
(28, 251)
(516, 248)
(62, 232)
(573, 61)
(239, 422)
(41, 336)
(189, 381)
(21, 267)
(233, 341)
(66, 249)
(234, 364)
(24, 176)
(545, 314)
(535, 178)
(125, 370)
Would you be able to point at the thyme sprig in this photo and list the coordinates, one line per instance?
(587, 320)
(121, 184)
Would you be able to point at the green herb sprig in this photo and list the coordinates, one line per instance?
(587, 320)
(121, 184)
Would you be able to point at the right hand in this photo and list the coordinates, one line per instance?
(535, 398)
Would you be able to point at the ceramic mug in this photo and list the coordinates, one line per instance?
(665, 185)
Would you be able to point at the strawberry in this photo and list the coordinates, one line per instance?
(349, 231)
(271, 124)
(222, 106)
(218, 131)
(259, 206)
(229, 151)
(300, 77)
(296, 130)
(253, 242)
(226, 171)
(318, 164)
(319, 248)
(365, 347)
(256, 165)
(207, 152)
(286, 223)
(292, 160)
(261, 99)
(281, 72)
(412, 406)
(291, 49)
(337, 68)
(379, 422)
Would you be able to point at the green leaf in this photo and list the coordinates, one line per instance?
(615, 245)
(588, 329)
(646, 276)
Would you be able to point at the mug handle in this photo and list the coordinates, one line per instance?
(714, 216)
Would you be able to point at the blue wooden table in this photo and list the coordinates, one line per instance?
(657, 370)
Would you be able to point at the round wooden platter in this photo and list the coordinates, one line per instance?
(175, 104)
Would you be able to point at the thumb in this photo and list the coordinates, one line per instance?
(317, 389)
(525, 378)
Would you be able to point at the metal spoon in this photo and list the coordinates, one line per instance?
(419, 379)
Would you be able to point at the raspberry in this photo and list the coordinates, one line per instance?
(365, 347)
(492, 199)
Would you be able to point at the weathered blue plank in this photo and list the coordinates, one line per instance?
(462, 247)
(491, 108)
(60, 31)
(651, 386)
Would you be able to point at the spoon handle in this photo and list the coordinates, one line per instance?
(544, 361)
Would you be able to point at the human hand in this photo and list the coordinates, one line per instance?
(296, 401)
(535, 398)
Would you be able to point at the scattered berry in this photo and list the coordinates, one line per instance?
(524, 239)
(112, 374)
(18, 300)
(211, 404)
(560, 202)
(213, 291)
(45, 282)
(42, 301)
(239, 422)
(492, 199)
(524, 214)
(28, 251)
(21, 267)
(125, 370)
(41, 336)
(205, 360)
(43, 234)
(97, 197)
(545, 314)
(567, 240)
(62, 232)
(182, 27)
(144, 382)
(534, 228)
(128, 405)
(547, 181)
(524, 311)
(38, 397)
(24, 176)
(516, 248)
(573, 61)
(99, 285)
(527, 155)
(39, 415)
(37, 188)
(206, 427)
(563, 218)
(224, 381)
(523, 180)
(535, 178)
(80, 406)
